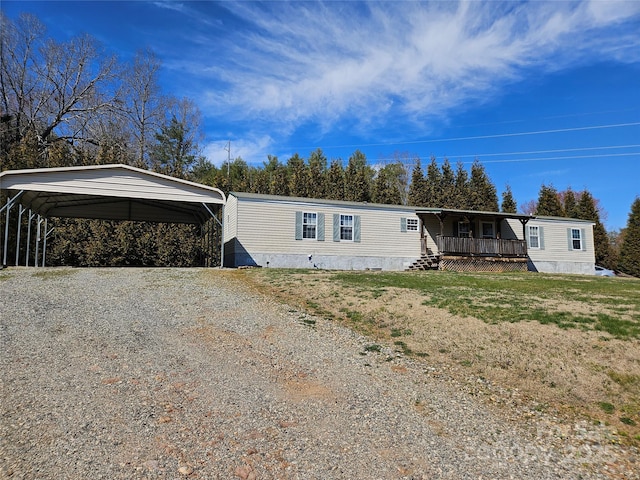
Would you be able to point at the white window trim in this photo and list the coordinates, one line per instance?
(315, 231)
(412, 224)
(579, 239)
(352, 227)
(536, 236)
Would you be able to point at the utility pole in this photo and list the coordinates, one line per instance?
(228, 149)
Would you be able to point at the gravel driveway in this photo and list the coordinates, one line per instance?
(184, 373)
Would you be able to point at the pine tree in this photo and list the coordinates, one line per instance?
(297, 170)
(586, 210)
(570, 204)
(433, 185)
(548, 202)
(358, 177)
(386, 186)
(417, 187)
(278, 183)
(240, 175)
(316, 171)
(174, 152)
(448, 182)
(509, 205)
(462, 195)
(484, 196)
(277, 179)
(258, 180)
(335, 181)
(629, 261)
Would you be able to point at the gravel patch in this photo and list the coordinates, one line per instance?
(184, 373)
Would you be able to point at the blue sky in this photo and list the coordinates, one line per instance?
(539, 92)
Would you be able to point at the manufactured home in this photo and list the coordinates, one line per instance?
(291, 232)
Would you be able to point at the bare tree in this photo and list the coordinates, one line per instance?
(145, 105)
(53, 90)
(17, 44)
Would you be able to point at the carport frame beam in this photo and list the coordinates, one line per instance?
(8, 206)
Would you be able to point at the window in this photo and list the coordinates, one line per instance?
(534, 237)
(346, 227)
(309, 223)
(487, 230)
(576, 239)
(464, 229)
(412, 224)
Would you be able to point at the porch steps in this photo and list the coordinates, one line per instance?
(425, 262)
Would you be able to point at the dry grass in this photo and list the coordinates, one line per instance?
(568, 368)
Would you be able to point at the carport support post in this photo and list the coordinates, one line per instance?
(44, 242)
(10, 202)
(26, 260)
(6, 234)
(221, 231)
(221, 237)
(21, 210)
(35, 263)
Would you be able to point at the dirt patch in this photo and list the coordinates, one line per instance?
(295, 386)
(302, 389)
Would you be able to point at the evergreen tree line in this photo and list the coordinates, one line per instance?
(391, 183)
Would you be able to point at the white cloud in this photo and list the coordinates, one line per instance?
(549, 174)
(169, 5)
(250, 150)
(298, 63)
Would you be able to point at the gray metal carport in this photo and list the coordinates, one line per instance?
(108, 192)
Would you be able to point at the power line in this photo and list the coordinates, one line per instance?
(572, 157)
(533, 152)
(549, 117)
(481, 137)
(411, 161)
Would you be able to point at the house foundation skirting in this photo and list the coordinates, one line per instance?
(482, 264)
(326, 262)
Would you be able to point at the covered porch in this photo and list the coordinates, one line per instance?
(472, 240)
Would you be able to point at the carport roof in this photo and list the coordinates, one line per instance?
(111, 192)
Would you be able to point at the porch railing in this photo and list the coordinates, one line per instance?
(481, 246)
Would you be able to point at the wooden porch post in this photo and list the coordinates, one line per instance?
(441, 218)
(524, 221)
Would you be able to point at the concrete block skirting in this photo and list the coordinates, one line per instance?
(576, 268)
(326, 262)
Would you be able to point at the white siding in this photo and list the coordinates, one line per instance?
(555, 255)
(432, 230)
(230, 218)
(266, 226)
(264, 233)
